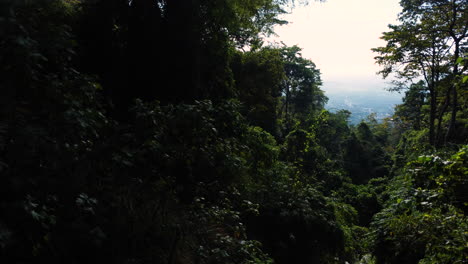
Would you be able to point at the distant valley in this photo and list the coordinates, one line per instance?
(362, 103)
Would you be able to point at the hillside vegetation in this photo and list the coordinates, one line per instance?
(158, 131)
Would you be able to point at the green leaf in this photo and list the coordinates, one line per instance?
(465, 79)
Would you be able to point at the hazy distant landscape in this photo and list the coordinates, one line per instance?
(361, 97)
(363, 103)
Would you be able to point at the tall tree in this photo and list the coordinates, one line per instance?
(259, 75)
(427, 44)
(301, 91)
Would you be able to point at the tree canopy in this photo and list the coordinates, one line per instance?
(169, 132)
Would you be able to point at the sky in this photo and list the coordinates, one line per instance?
(337, 35)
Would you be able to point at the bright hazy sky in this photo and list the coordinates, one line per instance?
(337, 36)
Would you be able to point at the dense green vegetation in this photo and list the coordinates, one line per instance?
(168, 132)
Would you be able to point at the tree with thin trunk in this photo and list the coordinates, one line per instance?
(427, 45)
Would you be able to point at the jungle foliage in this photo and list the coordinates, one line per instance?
(168, 132)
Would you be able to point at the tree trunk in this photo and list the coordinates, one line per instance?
(453, 87)
(438, 138)
(432, 115)
(433, 96)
